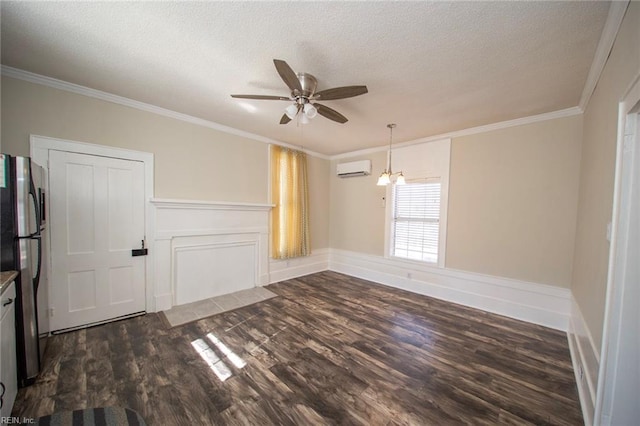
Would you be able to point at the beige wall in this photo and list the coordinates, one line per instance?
(317, 172)
(513, 200)
(357, 209)
(512, 203)
(597, 173)
(191, 161)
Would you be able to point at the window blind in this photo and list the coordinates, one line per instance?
(416, 220)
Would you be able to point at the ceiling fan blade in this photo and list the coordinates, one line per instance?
(264, 97)
(285, 119)
(330, 113)
(340, 93)
(288, 75)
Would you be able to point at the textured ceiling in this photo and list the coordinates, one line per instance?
(431, 67)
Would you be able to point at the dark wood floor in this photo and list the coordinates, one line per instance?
(331, 349)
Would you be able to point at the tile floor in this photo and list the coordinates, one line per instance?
(189, 312)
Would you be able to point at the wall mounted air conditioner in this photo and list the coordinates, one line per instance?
(354, 168)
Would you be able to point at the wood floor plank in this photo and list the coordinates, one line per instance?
(330, 349)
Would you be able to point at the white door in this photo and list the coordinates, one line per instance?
(96, 219)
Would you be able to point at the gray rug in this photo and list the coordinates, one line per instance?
(190, 312)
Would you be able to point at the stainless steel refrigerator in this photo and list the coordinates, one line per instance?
(22, 224)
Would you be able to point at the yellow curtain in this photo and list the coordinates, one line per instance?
(289, 193)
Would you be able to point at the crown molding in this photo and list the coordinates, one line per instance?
(617, 11)
(120, 100)
(567, 112)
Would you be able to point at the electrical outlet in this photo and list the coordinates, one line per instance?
(580, 372)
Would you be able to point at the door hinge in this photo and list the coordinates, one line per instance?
(51, 312)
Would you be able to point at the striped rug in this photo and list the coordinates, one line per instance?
(104, 416)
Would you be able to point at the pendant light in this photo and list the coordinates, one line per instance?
(385, 177)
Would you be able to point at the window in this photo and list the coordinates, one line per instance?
(416, 220)
(416, 214)
(290, 215)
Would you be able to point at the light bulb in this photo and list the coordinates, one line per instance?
(291, 111)
(384, 179)
(310, 111)
(400, 180)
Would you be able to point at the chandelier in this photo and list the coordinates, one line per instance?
(387, 174)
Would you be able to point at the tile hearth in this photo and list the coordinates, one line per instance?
(189, 312)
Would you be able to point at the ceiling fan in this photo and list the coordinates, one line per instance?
(304, 96)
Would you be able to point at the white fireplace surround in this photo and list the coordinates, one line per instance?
(205, 249)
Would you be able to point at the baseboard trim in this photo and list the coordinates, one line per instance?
(531, 302)
(281, 270)
(541, 304)
(586, 362)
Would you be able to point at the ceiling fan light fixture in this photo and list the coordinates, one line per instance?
(310, 111)
(291, 111)
(303, 119)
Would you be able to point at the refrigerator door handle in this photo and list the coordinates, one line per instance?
(36, 207)
(36, 277)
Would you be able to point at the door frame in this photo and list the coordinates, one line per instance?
(628, 108)
(39, 151)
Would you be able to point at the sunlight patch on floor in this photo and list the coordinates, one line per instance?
(209, 355)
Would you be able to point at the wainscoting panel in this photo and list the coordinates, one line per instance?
(207, 267)
(162, 271)
(586, 362)
(205, 249)
(281, 270)
(536, 303)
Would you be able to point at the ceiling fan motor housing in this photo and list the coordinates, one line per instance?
(309, 85)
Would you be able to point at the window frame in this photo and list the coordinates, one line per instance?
(438, 168)
(393, 220)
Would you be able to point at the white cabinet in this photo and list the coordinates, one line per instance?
(8, 366)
